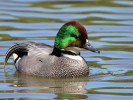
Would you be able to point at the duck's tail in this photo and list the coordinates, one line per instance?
(18, 50)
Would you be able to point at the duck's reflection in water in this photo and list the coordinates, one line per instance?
(51, 85)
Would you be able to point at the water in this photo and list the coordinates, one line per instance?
(110, 28)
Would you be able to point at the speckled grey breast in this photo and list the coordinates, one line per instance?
(40, 62)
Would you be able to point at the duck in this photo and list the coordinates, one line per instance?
(62, 60)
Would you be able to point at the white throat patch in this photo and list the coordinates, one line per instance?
(76, 57)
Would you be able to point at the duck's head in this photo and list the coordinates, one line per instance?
(70, 36)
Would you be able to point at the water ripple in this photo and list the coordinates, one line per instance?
(109, 24)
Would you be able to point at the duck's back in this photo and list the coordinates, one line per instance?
(39, 61)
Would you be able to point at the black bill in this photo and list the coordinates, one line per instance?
(88, 46)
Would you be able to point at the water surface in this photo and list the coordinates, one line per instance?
(109, 24)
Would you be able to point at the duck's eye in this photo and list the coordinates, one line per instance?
(75, 36)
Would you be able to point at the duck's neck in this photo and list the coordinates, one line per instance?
(61, 52)
(56, 52)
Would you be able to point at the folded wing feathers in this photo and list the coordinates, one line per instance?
(18, 48)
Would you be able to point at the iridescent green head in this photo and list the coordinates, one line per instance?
(71, 34)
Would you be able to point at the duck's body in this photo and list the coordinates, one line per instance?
(48, 61)
(40, 61)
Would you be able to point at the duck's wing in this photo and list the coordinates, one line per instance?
(21, 49)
